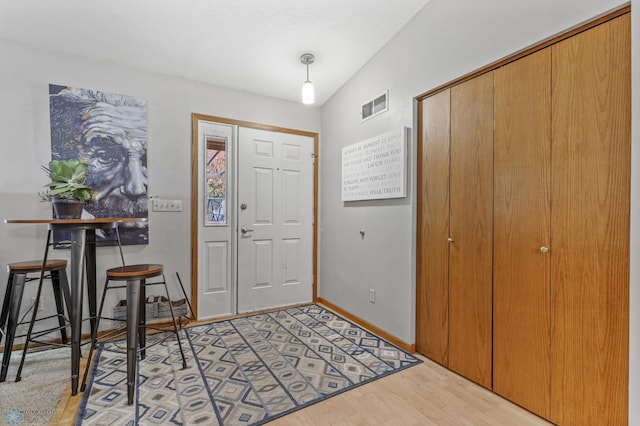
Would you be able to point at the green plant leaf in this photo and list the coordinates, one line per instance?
(67, 180)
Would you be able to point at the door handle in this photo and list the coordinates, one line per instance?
(544, 249)
(245, 230)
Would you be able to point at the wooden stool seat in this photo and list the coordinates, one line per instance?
(135, 272)
(35, 265)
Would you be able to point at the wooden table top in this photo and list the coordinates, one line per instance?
(98, 220)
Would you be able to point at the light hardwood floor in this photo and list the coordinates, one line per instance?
(426, 394)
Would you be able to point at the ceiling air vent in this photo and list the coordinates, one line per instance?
(376, 106)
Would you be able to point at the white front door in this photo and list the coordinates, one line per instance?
(274, 219)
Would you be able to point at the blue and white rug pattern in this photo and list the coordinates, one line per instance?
(244, 371)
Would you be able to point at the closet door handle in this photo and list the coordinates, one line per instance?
(544, 249)
(245, 230)
(450, 240)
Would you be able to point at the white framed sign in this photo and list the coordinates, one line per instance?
(376, 168)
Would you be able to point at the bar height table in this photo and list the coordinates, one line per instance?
(83, 231)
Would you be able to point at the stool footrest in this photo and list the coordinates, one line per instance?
(50, 343)
(38, 333)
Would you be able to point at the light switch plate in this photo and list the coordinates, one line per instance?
(159, 205)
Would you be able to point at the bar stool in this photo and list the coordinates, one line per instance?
(135, 277)
(18, 277)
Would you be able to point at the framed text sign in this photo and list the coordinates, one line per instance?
(376, 168)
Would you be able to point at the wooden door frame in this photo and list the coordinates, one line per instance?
(195, 117)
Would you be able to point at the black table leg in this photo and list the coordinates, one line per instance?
(78, 245)
(90, 258)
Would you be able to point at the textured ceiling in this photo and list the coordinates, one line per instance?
(250, 45)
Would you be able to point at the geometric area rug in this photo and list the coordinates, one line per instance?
(243, 371)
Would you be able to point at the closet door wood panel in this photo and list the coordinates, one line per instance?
(432, 325)
(471, 225)
(591, 126)
(522, 262)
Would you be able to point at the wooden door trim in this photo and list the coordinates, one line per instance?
(195, 117)
(529, 50)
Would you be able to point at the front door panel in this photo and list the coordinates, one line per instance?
(275, 220)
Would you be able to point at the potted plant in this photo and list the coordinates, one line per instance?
(67, 190)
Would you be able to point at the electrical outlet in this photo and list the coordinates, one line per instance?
(372, 295)
(158, 205)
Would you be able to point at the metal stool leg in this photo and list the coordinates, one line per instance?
(142, 320)
(117, 228)
(34, 315)
(14, 312)
(175, 326)
(133, 310)
(66, 292)
(5, 305)
(35, 307)
(57, 294)
(94, 338)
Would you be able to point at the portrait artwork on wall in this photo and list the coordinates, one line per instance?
(109, 132)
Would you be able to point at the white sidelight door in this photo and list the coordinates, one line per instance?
(274, 219)
(216, 229)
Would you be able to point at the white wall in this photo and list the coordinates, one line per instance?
(25, 145)
(445, 40)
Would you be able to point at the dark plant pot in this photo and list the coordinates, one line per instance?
(65, 208)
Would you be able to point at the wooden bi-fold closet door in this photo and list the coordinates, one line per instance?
(471, 229)
(561, 283)
(591, 155)
(522, 232)
(455, 228)
(432, 323)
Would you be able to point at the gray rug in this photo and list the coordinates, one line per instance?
(33, 401)
(245, 371)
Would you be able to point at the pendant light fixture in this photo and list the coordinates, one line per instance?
(308, 93)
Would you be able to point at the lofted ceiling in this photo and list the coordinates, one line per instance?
(249, 45)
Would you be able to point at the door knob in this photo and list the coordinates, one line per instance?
(245, 230)
(450, 239)
(544, 249)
